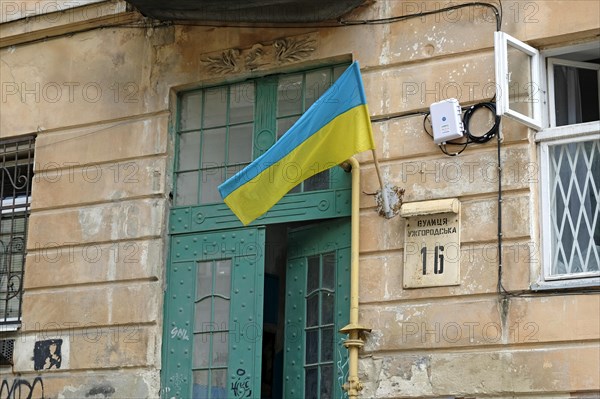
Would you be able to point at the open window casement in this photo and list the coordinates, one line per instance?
(573, 88)
(519, 94)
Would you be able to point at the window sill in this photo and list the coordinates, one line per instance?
(566, 284)
(568, 131)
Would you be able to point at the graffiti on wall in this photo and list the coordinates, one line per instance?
(240, 384)
(22, 389)
(47, 354)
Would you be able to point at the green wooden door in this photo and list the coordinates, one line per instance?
(213, 315)
(317, 306)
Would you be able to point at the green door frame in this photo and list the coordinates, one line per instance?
(307, 290)
(213, 220)
(245, 249)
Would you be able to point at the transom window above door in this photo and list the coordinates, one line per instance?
(220, 130)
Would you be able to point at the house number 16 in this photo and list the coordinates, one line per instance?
(438, 259)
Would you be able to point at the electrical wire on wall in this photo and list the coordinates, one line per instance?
(471, 138)
(463, 143)
(341, 23)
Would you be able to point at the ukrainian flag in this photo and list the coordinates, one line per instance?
(333, 129)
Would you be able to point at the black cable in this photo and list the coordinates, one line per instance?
(443, 146)
(500, 287)
(387, 118)
(422, 14)
(344, 23)
(490, 133)
(453, 154)
(427, 115)
(470, 137)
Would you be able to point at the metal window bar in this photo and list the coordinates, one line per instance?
(16, 172)
(575, 199)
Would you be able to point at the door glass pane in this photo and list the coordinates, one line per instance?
(220, 349)
(327, 308)
(311, 387)
(326, 382)
(215, 107)
(521, 90)
(191, 111)
(240, 144)
(312, 310)
(221, 317)
(241, 101)
(327, 344)
(312, 346)
(211, 347)
(317, 83)
(219, 384)
(211, 178)
(202, 315)
(201, 350)
(223, 277)
(189, 151)
(312, 281)
(329, 270)
(203, 279)
(200, 388)
(187, 188)
(213, 148)
(289, 95)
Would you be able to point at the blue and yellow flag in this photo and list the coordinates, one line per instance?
(333, 129)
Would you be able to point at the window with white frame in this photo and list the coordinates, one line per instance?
(570, 160)
(560, 98)
(16, 172)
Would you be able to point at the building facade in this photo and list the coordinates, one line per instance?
(124, 275)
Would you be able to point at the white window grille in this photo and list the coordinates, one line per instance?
(568, 137)
(574, 203)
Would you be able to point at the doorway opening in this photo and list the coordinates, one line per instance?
(306, 301)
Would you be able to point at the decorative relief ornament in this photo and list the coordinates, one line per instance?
(280, 51)
(226, 62)
(290, 50)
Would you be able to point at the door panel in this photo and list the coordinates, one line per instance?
(213, 315)
(317, 306)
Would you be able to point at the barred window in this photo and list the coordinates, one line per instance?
(15, 192)
(570, 168)
(574, 201)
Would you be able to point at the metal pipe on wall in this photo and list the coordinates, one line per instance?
(354, 330)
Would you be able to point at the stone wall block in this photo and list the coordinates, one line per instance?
(91, 306)
(101, 143)
(97, 223)
(482, 373)
(94, 183)
(51, 266)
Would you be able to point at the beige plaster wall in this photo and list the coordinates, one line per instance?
(101, 103)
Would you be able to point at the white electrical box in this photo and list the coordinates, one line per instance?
(446, 120)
